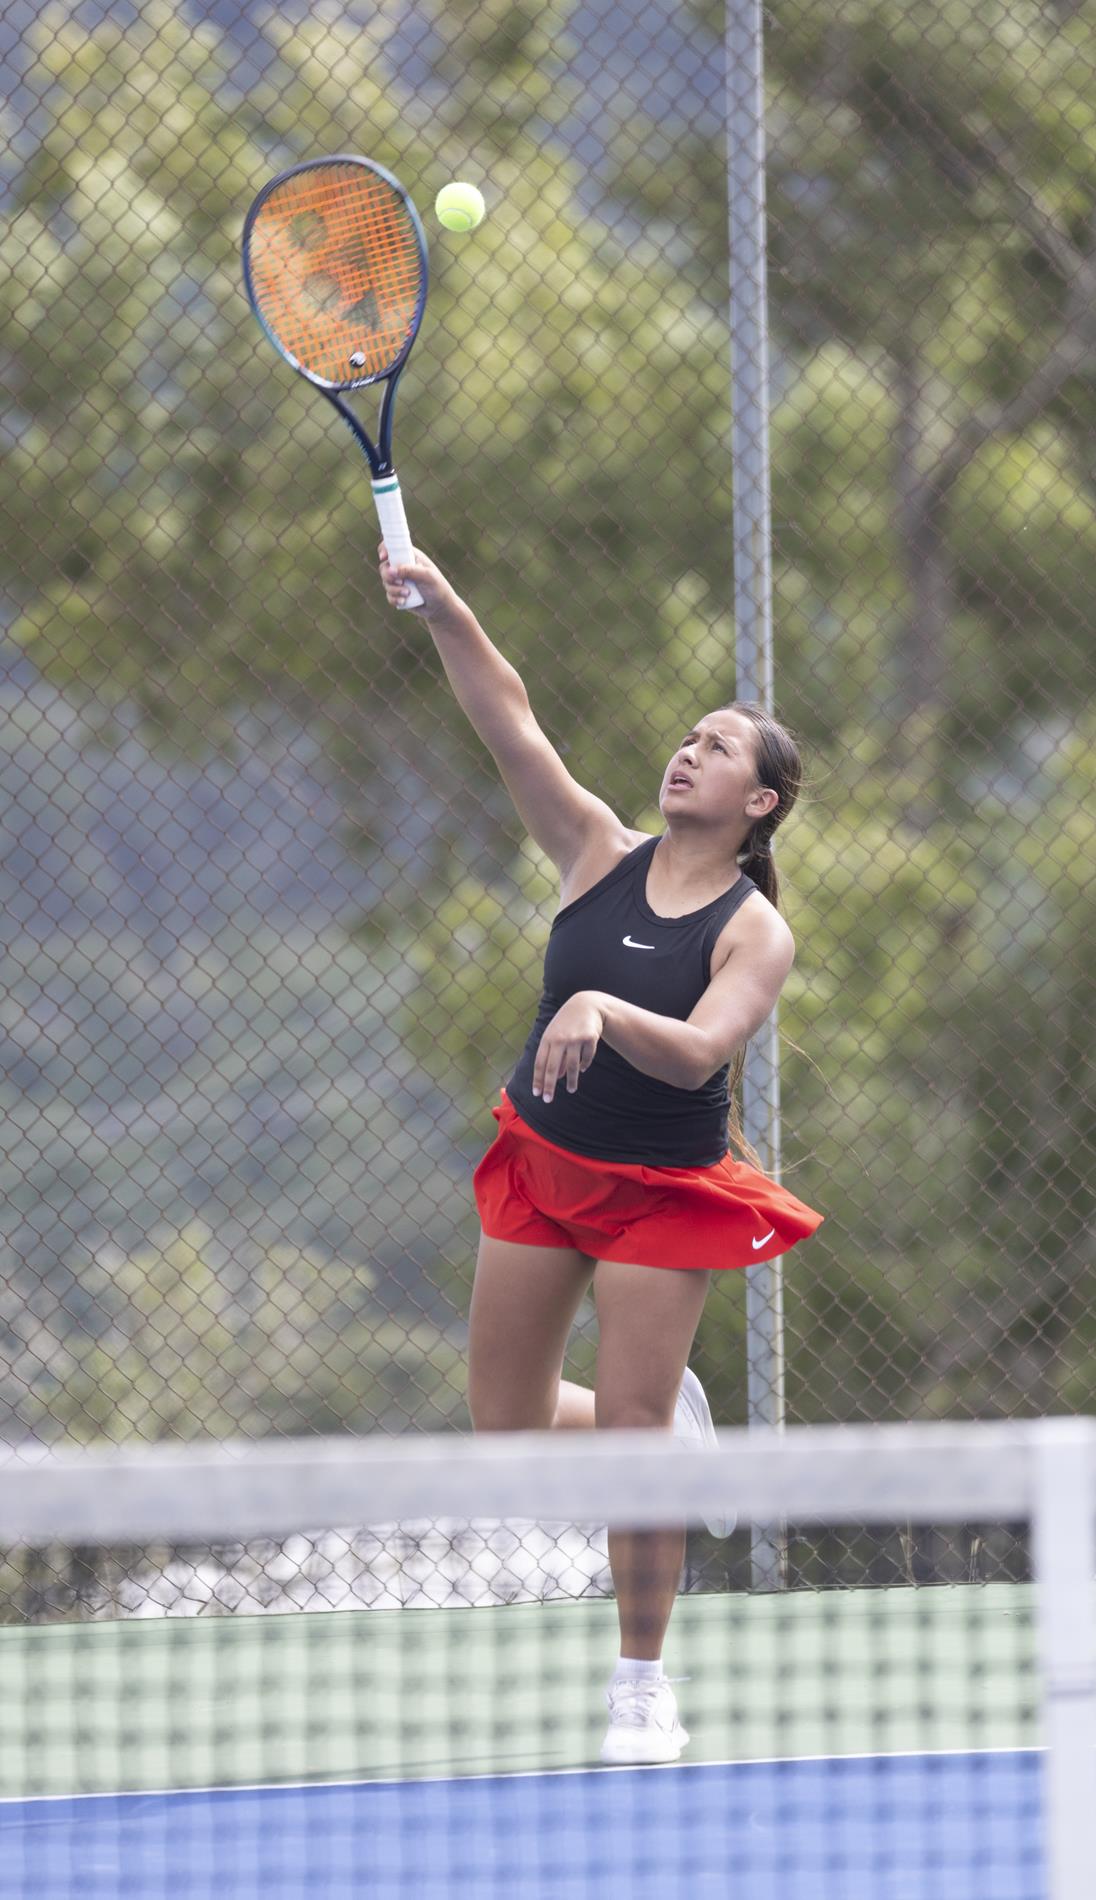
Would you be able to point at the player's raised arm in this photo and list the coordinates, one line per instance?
(558, 812)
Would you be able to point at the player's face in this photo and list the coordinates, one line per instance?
(713, 772)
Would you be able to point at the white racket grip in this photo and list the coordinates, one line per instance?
(397, 535)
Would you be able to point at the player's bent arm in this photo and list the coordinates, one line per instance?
(731, 1010)
(744, 991)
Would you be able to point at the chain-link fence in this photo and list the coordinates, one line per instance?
(272, 934)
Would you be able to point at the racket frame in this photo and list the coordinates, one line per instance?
(386, 488)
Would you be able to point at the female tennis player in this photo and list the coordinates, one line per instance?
(610, 1163)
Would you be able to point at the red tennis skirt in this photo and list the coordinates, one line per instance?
(728, 1215)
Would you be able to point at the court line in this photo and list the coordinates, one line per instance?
(502, 1774)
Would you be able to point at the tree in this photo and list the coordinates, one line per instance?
(931, 188)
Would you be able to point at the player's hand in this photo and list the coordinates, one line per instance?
(437, 595)
(568, 1044)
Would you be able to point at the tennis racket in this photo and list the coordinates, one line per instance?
(335, 270)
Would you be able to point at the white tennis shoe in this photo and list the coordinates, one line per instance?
(643, 1723)
(693, 1426)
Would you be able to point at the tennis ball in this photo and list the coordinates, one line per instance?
(460, 207)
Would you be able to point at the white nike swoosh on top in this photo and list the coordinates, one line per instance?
(755, 1244)
(636, 946)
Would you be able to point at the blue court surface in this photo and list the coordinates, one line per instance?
(954, 1826)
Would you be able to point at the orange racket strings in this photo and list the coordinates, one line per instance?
(336, 271)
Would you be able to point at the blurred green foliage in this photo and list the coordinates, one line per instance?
(177, 1345)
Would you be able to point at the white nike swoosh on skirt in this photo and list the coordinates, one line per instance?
(755, 1244)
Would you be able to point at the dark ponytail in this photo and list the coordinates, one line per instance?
(780, 768)
(756, 859)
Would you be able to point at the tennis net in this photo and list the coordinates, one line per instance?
(900, 1743)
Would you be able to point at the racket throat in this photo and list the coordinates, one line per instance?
(379, 459)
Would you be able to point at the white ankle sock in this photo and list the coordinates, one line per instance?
(638, 1671)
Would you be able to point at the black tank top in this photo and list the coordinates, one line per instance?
(610, 939)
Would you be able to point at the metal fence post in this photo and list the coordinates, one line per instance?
(754, 656)
(1063, 1532)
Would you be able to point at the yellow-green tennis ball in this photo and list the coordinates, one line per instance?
(460, 207)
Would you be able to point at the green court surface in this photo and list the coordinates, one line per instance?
(244, 1700)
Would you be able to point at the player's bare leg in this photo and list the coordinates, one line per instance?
(647, 1320)
(524, 1303)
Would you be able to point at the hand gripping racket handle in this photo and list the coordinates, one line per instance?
(397, 535)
